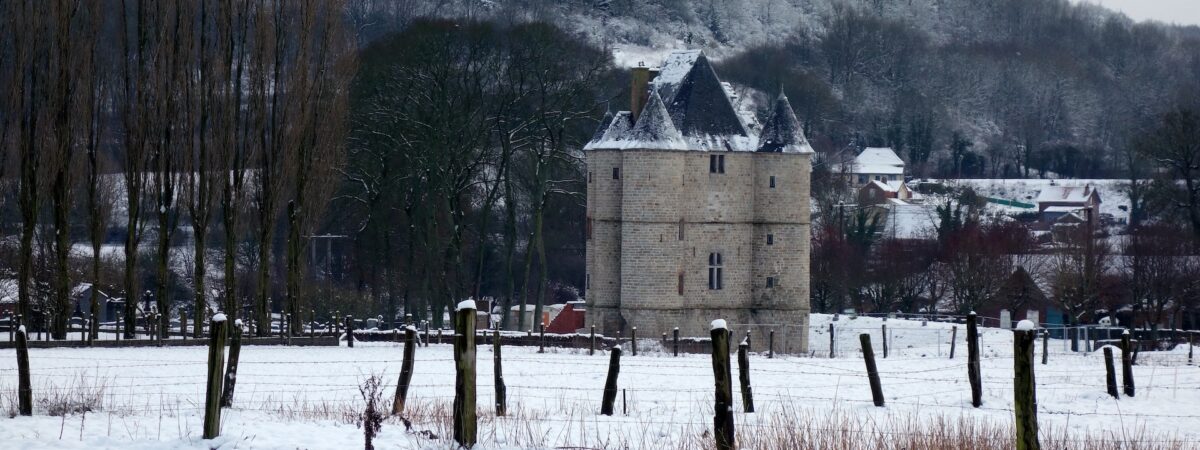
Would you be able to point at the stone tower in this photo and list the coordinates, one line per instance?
(693, 215)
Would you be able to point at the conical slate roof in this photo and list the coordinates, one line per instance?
(604, 123)
(654, 128)
(782, 132)
(611, 132)
(700, 107)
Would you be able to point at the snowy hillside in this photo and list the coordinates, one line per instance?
(1113, 194)
(292, 397)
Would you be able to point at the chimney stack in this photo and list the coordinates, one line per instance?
(639, 84)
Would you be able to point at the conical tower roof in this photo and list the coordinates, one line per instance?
(654, 128)
(782, 132)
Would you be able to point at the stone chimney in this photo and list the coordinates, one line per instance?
(639, 92)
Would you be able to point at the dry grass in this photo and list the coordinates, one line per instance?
(567, 423)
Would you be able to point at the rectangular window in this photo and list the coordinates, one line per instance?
(770, 239)
(680, 287)
(590, 176)
(862, 179)
(589, 228)
(770, 282)
(716, 163)
(680, 230)
(715, 270)
(616, 173)
(772, 181)
(589, 281)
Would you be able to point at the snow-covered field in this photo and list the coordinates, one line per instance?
(297, 397)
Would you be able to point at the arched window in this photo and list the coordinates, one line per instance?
(715, 270)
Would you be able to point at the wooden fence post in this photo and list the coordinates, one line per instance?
(723, 409)
(235, 352)
(350, 331)
(885, 346)
(24, 385)
(406, 370)
(183, 324)
(771, 345)
(748, 341)
(744, 376)
(973, 374)
(335, 322)
(216, 360)
(610, 383)
(675, 341)
(465, 419)
(1126, 364)
(1191, 335)
(953, 339)
(831, 341)
(501, 389)
(1025, 395)
(592, 348)
(1045, 346)
(542, 338)
(1110, 373)
(633, 340)
(872, 371)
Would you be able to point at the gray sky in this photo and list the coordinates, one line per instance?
(1182, 12)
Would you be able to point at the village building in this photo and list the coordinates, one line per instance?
(1055, 201)
(876, 192)
(692, 215)
(873, 164)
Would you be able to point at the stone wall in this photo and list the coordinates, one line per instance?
(656, 226)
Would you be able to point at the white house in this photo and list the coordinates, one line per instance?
(873, 164)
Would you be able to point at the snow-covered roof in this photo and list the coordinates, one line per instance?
(886, 186)
(881, 160)
(1067, 194)
(1061, 209)
(909, 221)
(782, 132)
(700, 110)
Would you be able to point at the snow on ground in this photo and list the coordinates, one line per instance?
(298, 397)
(1112, 192)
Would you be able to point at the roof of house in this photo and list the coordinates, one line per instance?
(882, 160)
(1067, 194)
(699, 109)
(1061, 209)
(908, 221)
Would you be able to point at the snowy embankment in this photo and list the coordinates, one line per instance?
(1113, 193)
(294, 397)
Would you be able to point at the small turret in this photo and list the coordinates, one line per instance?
(782, 131)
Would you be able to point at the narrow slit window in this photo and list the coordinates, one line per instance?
(770, 282)
(590, 176)
(770, 239)
(680, 237)
(616, 173)
(772, 181)
(720, 163)
(589, 228)
(680, 283)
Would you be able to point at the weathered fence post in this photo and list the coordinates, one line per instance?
(1191, 335)
(336, 322)
(748, 341)
(633, 340)
(973, 374)
(183, 324)
(953, 339)
(312, 323)
(235, 352)
(1110, 373)
(465, 420)
(771, 345)
(744, 376)
(406, 370)
(501, 389)
(216, 360)
(592, 347)
(723, 409)
(24, 385)
(831, 340)
(1025, 396)
(350, 331)
(542, 338)
(675, 341)
(1045, 346)
(872, 371)
(610, 383)
(885, 347)
(1126, 363)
